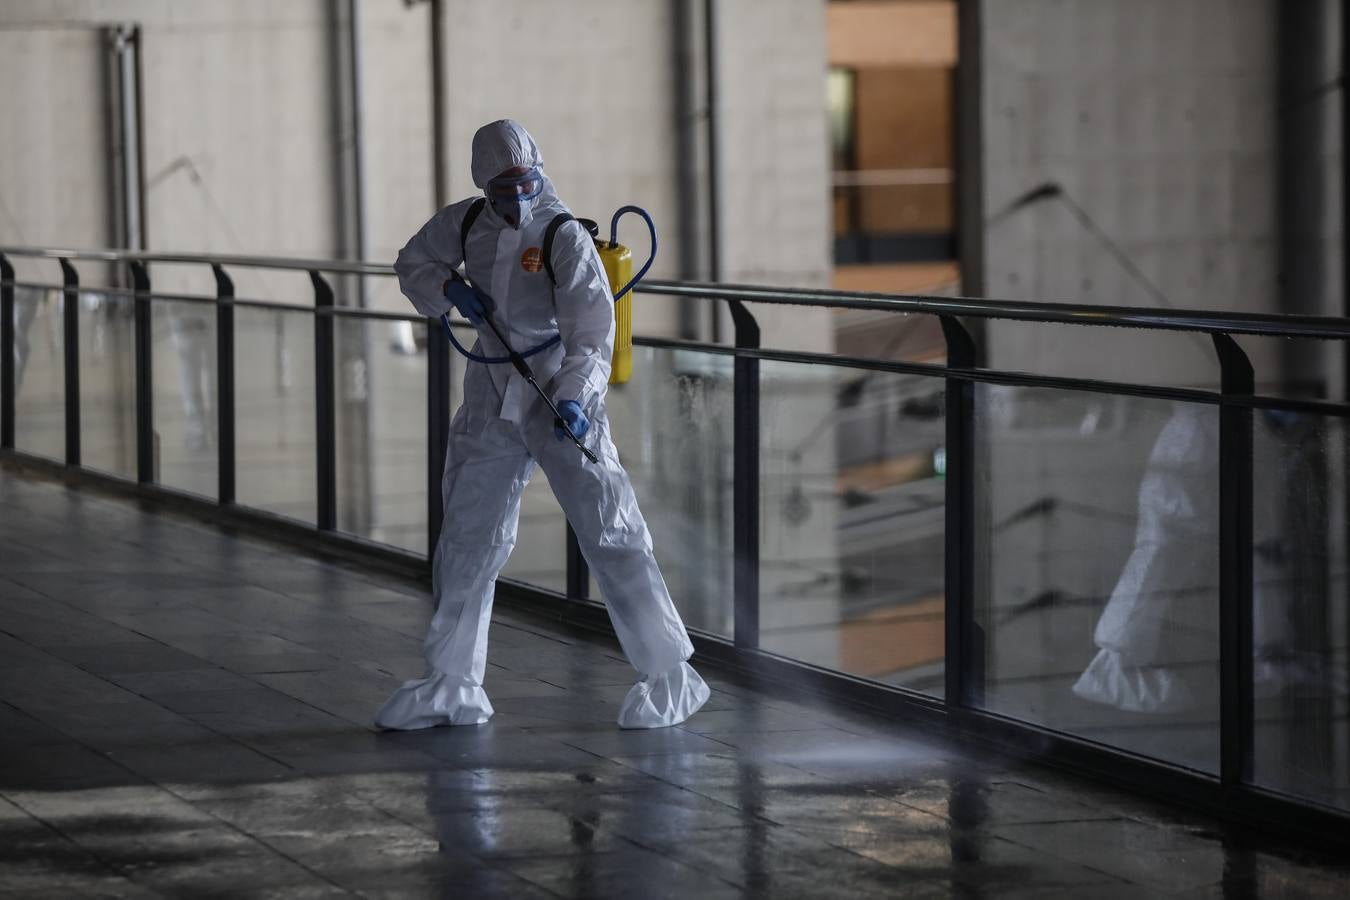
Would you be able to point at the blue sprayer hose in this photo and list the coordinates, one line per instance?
(613, 239)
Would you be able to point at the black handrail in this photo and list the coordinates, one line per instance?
(1206, 321)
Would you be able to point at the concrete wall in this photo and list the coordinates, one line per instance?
(1158, 120)
(54, 170)
(595, 91)
(237, 124)
(775, 216)
(396, 105)
(242, 141)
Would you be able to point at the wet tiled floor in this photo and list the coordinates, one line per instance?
(186, 713)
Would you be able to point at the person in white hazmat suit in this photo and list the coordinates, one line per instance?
(503, 429)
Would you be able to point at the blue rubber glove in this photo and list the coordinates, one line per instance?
(469, 300)
(576, 421)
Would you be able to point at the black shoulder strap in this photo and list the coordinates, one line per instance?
(558, 221)
(470, 215)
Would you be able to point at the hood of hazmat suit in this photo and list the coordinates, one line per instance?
(503, 431)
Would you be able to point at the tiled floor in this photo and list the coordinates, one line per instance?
(186, 713)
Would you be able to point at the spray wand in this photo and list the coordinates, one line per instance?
(523, 368)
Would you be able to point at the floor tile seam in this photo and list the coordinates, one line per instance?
(342, 791)
(19, 710)
(491, 865)
(796, 832)
(521, 878)
(243, 619)
(244, 675)
(229, 738)
(872, 859)
(345, 571)
(88, 852)
(124, 511)
(252, 838)
(101, 617)
(9, 539)
(657, 851)
(140, 781)
(357, 727)
(693, 790)
(110, 757)
(532, 632)
(1050, 854)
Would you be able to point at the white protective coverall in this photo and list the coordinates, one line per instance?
(503, 429)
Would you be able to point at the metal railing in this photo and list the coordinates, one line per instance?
(1231, 789)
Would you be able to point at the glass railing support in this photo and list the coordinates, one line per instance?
(1236, 685)
(438, 429)
(70, 313)
(325, 404)
(142, 347)
(964, 638)
(745, 477)
(225, 411)
(7, 369)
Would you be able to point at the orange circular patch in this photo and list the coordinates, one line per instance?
(532, 260)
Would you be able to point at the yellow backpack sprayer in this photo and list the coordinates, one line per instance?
(618, 262)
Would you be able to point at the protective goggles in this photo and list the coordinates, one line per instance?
(526, 186)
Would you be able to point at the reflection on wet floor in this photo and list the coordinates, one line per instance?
(186, 713)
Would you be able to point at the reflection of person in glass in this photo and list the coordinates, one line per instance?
(1158, 636)
(26, 301)
(192, 338)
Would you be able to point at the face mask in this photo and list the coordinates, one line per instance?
(515, 213)
(512, 196)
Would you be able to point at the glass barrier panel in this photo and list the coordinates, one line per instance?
(39, 372)
(183, 370)
(852, 500)
(1097, 567)
(1301, 623)
(381, 390)
(108, 383)
(274, 411)
(671, 423)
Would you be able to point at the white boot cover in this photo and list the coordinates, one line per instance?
(658, 701)
(435, 700)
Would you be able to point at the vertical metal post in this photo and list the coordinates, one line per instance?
(439, 164)
(325, 404)
(8, 390)
(710, 87)
(969, 145)
(438, 429)
(225, 440)
(745, 478)
(1345, 288)
(1236, 704)
(70, 310)
(1345, 279)
(687, 119)
(965, 645)
(142, 346)
(578, 573)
